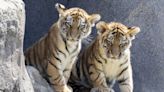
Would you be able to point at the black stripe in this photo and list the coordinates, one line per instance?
(98, 69)
(58, 59)
(65, 70)
(124, 63)
(61, 52)
(122, 80)
(54, 65)
(90, 72)
(124, 84)
(99, 61)
(78, 68)
(122, 71)
(57, 84)
(104, 84)
(89, 65)
(78, 37)
(57, 78)
(97, 77)
(64, 40)
(49, 76)
(66, 48)
(102, 57)
(92, 65)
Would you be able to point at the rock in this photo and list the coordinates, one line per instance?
(13, 75)
(148, 47)
(39, 83)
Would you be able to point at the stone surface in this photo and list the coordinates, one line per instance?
(13, 74)
(148, 47)
(39, 83)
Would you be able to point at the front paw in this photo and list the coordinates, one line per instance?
(65, 89)
(101, 89)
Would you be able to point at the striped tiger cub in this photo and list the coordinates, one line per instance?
(106, 60)
(55, 53)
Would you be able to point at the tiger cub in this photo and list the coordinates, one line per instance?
(106, 60)
(55, 53)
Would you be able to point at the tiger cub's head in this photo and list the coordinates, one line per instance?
(115, 38)
(75, 23)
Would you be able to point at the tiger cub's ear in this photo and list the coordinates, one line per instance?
(60, 8)
(133, 31)
(94, 18)
(101, 27)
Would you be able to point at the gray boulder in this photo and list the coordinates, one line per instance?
(13, 74)
(39, 83)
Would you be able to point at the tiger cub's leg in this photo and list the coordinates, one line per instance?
(66, 74)
(56, 77)
(125, 80)
(98, 80)
(67, 70)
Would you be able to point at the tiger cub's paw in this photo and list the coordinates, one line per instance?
(67, 89)
(101, 89)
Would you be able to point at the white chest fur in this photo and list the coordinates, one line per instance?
(70, 54)
(74, 46)
(114, 66)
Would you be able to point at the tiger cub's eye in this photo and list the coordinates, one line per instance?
(122, 45)
(108, 42)
(82, 26)
(110, 38)
(113, 33)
